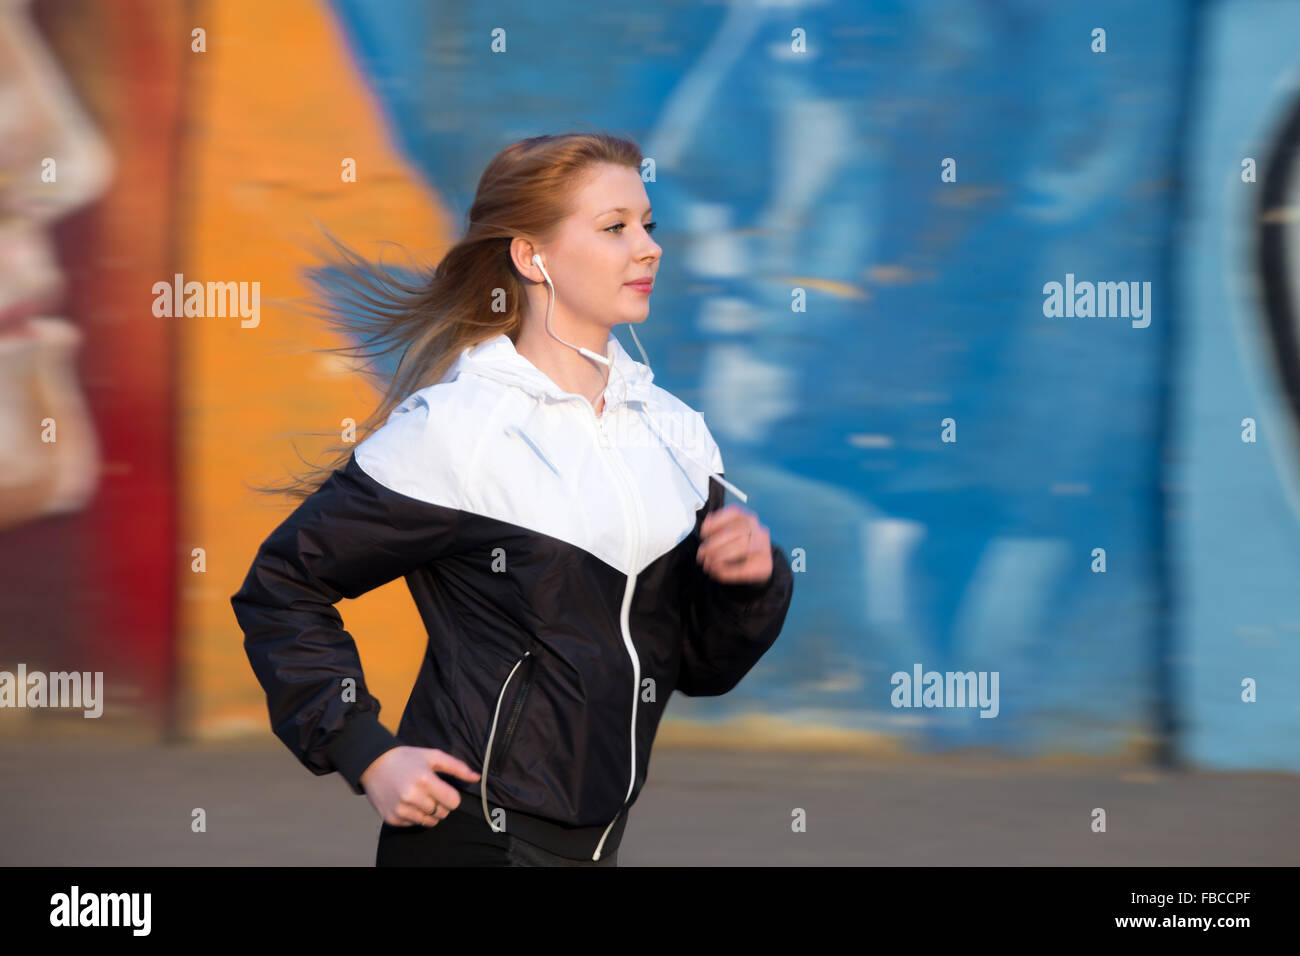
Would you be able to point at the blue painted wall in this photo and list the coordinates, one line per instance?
(1237, 537)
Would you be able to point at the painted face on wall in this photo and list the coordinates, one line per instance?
(52, 161)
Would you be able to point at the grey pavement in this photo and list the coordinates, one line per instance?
(101, 802)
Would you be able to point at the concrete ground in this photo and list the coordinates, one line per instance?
(103, 802)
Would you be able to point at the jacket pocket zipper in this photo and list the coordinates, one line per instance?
(529, 662)
(492, 756)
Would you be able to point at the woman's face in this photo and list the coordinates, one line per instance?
(601, 247)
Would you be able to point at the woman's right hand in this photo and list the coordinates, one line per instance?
(402, 786)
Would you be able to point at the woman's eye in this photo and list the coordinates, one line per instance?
(649, 227)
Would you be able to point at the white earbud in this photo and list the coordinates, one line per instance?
(538, 260)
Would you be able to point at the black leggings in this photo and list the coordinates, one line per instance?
(465, 839)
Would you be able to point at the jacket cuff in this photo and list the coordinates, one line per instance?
(362, 741)
(745, 597)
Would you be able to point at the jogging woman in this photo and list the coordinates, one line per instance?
(557, 517)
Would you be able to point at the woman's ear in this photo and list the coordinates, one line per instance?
(521, 255)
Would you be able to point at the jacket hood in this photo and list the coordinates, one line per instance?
(629, 381)
(497, 359)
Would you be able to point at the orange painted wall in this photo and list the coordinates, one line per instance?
(275, 107)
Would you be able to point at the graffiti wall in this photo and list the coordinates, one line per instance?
(974, 297)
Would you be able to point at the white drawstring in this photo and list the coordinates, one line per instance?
(668, 441)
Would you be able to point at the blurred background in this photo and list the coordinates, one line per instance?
(1115, 530)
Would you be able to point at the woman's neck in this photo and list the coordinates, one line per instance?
(570, 371)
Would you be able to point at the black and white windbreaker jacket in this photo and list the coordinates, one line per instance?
(551, 554)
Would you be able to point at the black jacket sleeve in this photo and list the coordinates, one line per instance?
(728, 627)
(350, 536)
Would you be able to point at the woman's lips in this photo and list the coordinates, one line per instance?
(14, 316)
(645, 285)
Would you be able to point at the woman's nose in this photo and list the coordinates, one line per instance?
(52, 159)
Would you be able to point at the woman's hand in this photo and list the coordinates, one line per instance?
(401, 785)
(735, 548)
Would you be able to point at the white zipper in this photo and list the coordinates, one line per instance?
(629, 504)
(487, 754)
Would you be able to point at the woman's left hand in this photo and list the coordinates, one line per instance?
(735, 548)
